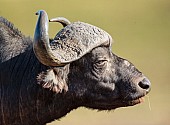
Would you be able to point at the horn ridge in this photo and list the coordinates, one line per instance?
(77, 39)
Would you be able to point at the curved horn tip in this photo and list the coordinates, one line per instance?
(61, 20)
(39, 12)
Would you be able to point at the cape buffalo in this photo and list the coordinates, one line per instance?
(43, 79)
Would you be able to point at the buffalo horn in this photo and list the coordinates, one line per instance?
(70, 43)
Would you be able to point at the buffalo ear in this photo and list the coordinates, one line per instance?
(54, 79)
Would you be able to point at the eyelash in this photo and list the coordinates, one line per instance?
(100, 63)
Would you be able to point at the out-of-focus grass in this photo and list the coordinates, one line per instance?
(141, 30)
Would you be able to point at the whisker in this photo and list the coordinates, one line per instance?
(149, 102)
(126, 96)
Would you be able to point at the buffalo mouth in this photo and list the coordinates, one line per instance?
(135, 101)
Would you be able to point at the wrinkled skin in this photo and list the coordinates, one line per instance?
(107, 81)
(98, 80)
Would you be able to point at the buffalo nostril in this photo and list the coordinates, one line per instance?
(145, 84)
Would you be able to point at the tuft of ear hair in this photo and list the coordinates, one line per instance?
(54, 79)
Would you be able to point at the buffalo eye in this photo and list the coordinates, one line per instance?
(100, 65)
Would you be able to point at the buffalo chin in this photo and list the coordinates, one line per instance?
(115, 104)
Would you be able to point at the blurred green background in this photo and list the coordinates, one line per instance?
(141, 30)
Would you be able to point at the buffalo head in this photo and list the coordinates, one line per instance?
(82, 64)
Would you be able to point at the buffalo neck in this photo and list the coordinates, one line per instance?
(21, 96)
